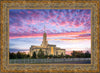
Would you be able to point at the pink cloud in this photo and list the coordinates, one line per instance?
(63, 23)
(21, 12)
(69, 52)
(53, 23)
(28, 11)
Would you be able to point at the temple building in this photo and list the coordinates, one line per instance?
(48, 49)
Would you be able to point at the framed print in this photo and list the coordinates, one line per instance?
(49, 36)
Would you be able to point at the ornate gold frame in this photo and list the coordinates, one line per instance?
(93, 5)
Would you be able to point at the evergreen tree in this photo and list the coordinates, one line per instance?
(62, 55)
(40, 54)
(34, 55)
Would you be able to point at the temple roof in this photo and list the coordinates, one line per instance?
(60, 49)
(38, 47)
(51, 45)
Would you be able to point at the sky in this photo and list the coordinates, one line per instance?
(68, 29)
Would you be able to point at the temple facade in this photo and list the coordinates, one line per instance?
(48, 49)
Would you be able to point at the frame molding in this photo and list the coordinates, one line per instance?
(6, 5)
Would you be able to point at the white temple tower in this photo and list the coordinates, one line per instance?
(44, 42)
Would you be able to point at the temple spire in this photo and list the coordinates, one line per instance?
(44, 42)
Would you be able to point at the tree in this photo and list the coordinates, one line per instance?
(12, 55)
(55, 56)
(50, 56)
(77, 54)
(87, 54)
(67, 56)
(40, 54)
(23, 55)
(19, 55)
(28, 56)
(73, 54)
(34, 55)
(45, 56)
(62, 55)
(58, 56)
